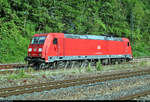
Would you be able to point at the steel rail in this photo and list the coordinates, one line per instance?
(4, 92)
(132, 96)
(13, 71)
(17, 69)
(11, 66)
(9, 72)
(15, 66)
(26, 70)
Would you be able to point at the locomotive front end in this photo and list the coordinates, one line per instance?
(35, 50)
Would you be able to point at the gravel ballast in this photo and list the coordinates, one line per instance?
(99, 91)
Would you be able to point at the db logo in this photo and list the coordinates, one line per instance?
(98, 47)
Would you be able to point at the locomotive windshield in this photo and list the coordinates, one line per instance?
(38, 40)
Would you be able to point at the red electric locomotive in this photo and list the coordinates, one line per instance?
(58, 48)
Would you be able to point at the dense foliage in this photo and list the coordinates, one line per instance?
(21, 19)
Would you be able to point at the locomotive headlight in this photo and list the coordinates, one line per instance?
(40, 49)
(30, 49)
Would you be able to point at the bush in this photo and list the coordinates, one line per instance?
(18, 25)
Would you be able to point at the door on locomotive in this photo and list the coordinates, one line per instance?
(58, 46)
(55, 44)
(129, 52)
(127, 48)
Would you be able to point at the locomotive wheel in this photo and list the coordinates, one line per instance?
(85, 63)
(35, 66)
(67, 64)
(60, 64)
(41, 66)
(38, 66)
(105, 61)
(72, 64)
(118, 61)
(93, 63)
(113, 61)
(123, 60)
(52, 65)
(78, 64)
(30, 64)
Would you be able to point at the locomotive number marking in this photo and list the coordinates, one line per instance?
(98, 53)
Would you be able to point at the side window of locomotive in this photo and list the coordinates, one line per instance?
(55, 41)
(128, 44)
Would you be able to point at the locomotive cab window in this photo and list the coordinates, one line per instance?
(128, 44)
(55, 41)
(38, 40)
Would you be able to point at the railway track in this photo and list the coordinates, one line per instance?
(132, 96)
(12, 71)
(5, 92)
(10, 67)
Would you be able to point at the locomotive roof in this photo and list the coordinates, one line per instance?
(76, 36)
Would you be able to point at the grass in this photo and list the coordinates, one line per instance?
(31, 70)
(126, 66)
(99, 66)
(19, 75)
(89, 68)
(73, 71)
(80, 69)
(143, 63)
(118, 66)
(54, 74)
